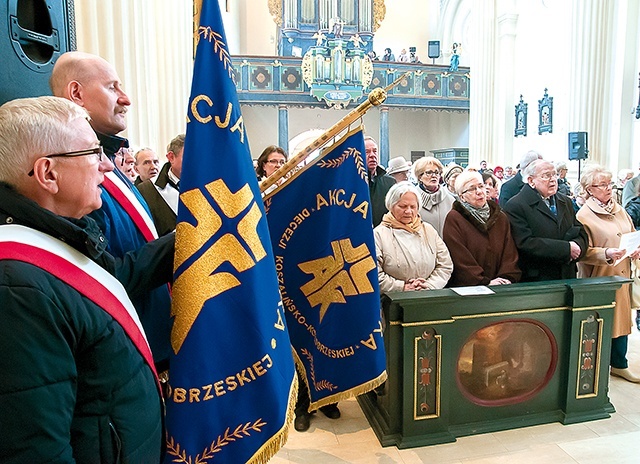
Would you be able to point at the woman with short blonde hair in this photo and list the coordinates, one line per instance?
(605, 221)
(435, 202)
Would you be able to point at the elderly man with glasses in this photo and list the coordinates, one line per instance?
(78, 377)
(549, 238)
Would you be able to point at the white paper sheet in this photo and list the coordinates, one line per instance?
(629, 242)
(475, 290)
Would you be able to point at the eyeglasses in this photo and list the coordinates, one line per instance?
(275, 162)
(547, 175)
(98, 151)
(604, 186)
(474, 188)
(430, 173)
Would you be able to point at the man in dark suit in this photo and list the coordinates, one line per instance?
(379, 181)
(549, 238)
(146, 164)
(511, 187)
(162, 196)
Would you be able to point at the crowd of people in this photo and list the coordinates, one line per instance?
(87, 244)
(448, 226)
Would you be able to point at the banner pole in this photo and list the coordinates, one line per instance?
(376, 97)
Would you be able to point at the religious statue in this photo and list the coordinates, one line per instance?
(455, 57)
(356, 40)
(336, 27)
(320, 38)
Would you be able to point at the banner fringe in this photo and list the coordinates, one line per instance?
(275, 444)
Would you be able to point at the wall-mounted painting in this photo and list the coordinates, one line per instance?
(521, 118)
(545, 112)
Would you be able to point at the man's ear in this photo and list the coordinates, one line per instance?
(45, 175)
(75, 92)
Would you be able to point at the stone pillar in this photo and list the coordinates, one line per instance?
(283, 127)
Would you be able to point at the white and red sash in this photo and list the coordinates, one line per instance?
(79, 272)
(126, 198)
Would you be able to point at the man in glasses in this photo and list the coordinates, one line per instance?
(549, 238)
(91, 82)
(379, 181)
(78, 378)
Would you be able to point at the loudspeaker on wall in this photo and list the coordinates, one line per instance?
(578, 146)
(38, 32)
(434, 49)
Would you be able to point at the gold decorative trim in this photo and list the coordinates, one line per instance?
(479, 316)
(596, 381)
(512, 313)
(594, 308)
(415, 380)
(379, 12)
(275, 10)
(416, 324)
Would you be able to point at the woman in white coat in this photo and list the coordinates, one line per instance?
(411, 255)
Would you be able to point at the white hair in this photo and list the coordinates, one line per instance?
(397, 190)
(31, 128)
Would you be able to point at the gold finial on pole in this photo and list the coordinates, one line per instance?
(375, 98)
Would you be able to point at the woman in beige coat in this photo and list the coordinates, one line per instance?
(411, 255)
(605, 221)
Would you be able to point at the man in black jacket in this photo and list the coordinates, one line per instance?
(78, 378)
(511, 187)
(549, 238)
(379, 181)
(162, 194)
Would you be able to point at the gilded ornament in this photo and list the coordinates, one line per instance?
(379, 12)
(275, 10)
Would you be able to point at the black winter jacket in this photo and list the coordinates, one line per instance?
(73, 387)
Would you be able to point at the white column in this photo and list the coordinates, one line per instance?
(482, 122)
(591, 75)
(506, 98)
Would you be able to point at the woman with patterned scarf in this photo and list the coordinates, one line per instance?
(411, 255)
(435, 201)
(478, 235)
(605, 221)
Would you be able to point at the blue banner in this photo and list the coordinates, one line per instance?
(322, 236)
(232, 381)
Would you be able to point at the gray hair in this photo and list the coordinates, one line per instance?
(528, 158)
(561, 165)
(31, 128)
(532, 168)
(137, 155)
(397, 190)
(176, 144)
(465, 177)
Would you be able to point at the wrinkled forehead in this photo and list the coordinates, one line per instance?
(544, 167)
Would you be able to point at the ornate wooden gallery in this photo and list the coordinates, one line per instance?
(526, 354)
(325, 61)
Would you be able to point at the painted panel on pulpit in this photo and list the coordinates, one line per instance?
(507, 362)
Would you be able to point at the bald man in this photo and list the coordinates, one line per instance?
(92, 83)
